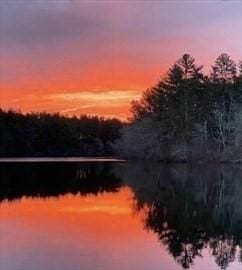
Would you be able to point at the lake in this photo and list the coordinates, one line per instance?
(119, 215)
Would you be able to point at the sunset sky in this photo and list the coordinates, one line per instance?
(94, 57)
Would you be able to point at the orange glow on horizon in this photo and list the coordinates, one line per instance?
(103, 225)
(109, 97)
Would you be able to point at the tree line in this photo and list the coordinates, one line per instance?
(188, 115)
(44, 134)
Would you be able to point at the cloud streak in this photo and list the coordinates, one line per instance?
(114, 96)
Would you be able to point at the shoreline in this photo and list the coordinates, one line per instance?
(110, 159)
(60, 159)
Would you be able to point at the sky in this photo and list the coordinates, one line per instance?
(95, 57)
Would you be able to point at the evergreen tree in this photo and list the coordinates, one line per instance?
(196, 115)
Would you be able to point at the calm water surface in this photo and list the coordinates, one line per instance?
(118, 216)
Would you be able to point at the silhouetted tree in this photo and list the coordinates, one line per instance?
(43, 134)
(194, 116)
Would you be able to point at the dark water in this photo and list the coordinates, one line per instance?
(118, 216)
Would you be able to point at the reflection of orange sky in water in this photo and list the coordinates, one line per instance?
(74, 232)
(78, 232)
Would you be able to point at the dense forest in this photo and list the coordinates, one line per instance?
(43, 134)
(188, 116)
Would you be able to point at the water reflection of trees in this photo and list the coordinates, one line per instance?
(48, 179)
(191, 209)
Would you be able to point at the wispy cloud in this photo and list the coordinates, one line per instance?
(97, 97)
(69, 110)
